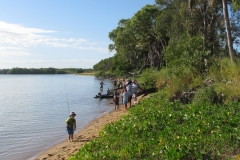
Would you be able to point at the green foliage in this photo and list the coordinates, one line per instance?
(104, 65)
(205, 95)
(236, 5)
(121, 65)
(177, 79)
(156, 129)
(3, 71)
(186, 53)
(226, 76)
(137, 41)
(148, 78)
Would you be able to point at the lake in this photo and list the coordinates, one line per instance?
(33, 110)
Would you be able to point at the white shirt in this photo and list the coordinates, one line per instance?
(134, 88)
(129, 89)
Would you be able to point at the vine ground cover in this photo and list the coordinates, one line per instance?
(155, 129)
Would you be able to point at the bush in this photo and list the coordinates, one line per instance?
(186, 53)
(177, 80)
(226, 77)
(205, 95)
(148, 78)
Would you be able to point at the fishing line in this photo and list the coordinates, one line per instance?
(67, 98)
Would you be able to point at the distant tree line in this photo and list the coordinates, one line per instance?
(49, 70)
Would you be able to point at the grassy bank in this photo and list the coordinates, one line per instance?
(87, 73)
(155, 129)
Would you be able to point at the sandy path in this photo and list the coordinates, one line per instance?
(64, 150)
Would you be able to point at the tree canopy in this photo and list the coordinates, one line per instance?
(170, 33)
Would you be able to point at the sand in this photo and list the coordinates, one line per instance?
(64, 150)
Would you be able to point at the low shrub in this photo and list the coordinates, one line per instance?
(148, 78)
(205, 95)
(226, 77)
(178, 80)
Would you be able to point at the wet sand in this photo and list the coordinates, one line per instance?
(65, 149)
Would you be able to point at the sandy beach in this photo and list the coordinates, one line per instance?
(65, 149)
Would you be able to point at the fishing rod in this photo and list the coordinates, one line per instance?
(67, 98)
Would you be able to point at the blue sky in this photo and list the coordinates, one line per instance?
(59, 33)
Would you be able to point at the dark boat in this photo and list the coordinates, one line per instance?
(104, 96)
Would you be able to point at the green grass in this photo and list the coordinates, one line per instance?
(155, 129)
(87, 73)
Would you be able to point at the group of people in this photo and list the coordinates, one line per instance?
(128, 93)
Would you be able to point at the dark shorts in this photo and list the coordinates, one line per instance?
(116, 103)
(129, 98)
(70, 131)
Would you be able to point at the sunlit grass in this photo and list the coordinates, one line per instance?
(158, 130)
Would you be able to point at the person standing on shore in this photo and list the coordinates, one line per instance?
(71, 126)
(116, 101)
(129, 91)
(125, 98)
(134, 89)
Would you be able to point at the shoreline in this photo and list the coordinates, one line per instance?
(65, 149)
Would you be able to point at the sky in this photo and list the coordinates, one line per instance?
(60, 33)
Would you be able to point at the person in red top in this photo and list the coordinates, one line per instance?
(116, 101)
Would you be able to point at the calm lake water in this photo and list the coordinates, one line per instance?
(33, 110)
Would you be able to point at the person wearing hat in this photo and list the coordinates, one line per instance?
(71, 126)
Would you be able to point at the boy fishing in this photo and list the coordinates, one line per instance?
(71, 126)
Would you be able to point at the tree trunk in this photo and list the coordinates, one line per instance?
(228, 30)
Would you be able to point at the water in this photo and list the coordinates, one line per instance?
(33, 110)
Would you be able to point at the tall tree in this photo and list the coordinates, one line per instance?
(138, 40)
(205, 4)
(228, 29)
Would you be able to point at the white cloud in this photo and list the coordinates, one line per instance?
(18, 29)
(20, 39)
(13, 51)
